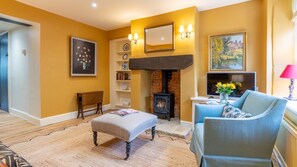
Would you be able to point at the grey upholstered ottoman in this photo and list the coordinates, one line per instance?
(126, 127)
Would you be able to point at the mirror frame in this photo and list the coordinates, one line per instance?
(159, 50)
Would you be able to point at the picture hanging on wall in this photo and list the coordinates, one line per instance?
(83, 57)
(227, 52)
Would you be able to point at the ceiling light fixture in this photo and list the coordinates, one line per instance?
(94, 5)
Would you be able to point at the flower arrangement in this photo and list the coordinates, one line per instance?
(226, 88)
(238, 84)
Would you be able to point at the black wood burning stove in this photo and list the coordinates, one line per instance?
(164, 101)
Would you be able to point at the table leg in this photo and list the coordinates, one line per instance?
(128, 148)
(95, 138)
(153, 132)
(97, 109)
(82, 112)
(78, 111)
(100, 107)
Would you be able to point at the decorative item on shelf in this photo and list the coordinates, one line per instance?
(125, 56)
(125, 66)
(225, 90)
(124, 86)
(126, 102)
(227, 52)
(126, 47)
(185, 34)
(290, 72)
(134, 40)
(122, 76)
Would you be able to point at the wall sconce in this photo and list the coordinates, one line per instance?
(130, 37)
(185, 34)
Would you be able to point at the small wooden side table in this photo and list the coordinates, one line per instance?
(87, 99)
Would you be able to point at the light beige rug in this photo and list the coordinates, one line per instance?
(74, 147)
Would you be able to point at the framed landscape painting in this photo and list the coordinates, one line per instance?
(83, 57)
(227, 52)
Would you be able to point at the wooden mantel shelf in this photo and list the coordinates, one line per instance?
(177, 62)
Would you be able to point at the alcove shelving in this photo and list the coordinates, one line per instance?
(120, 75)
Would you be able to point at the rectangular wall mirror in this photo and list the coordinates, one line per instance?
(159, 38)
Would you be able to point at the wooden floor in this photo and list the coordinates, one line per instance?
(15, 130)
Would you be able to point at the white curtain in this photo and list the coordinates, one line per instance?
(294, 19)
(294, 10)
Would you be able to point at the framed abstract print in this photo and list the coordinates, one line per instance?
(83, 57)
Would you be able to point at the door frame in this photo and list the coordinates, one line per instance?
(8, 69)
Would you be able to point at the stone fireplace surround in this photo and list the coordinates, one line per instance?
(155, 65)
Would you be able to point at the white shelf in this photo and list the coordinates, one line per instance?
(122, 61)
(125, 91)
(122, 106)
(120, 90)
(123, 71)
(127, 80)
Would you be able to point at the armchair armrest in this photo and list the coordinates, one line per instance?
(229, 137)
(202, 111)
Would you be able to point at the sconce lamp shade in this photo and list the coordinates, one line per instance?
(181, 29)
(190, 28)
(135, 36)
(290, 72)
(134, 40)
(130, 37)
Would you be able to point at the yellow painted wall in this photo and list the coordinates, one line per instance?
(282, 40)
(197, 53)
(247, 17)
(180, 17)
(186, 46)
(280, 52)
(119, 33)
(135, 89)
(58, 89)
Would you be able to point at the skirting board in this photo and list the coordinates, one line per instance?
(24, 115)
(52, 119)
(279, 157)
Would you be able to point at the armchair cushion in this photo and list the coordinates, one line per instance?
(256, 103)
(230, 111)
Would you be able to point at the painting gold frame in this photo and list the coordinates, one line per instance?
(227, 52)
(152, 36)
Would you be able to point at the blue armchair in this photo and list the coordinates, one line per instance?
(234, 142)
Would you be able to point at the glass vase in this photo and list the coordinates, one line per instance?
(224, 98)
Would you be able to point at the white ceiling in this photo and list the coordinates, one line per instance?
(113, 14)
